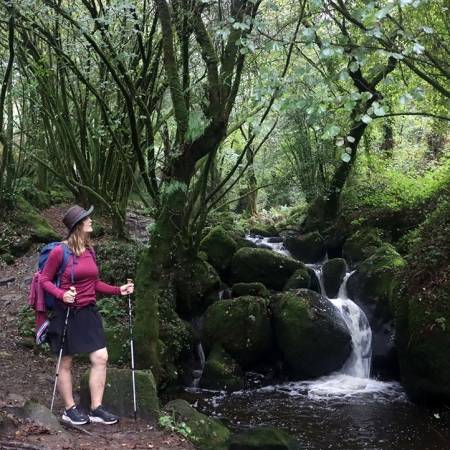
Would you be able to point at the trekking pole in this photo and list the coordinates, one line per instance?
(63, 339)
(129, 280)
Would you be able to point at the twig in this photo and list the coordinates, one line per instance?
(82, 430)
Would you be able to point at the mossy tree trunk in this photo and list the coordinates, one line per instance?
(168, 260)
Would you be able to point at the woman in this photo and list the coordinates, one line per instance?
(77, 289)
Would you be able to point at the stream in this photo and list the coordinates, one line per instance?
(345, 410)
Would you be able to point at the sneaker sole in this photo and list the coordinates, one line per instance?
(73, 422)
(100, 420)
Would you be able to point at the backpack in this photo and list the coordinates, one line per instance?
(40, 300)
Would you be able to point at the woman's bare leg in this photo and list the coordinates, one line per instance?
(97, 376)
(65, 381)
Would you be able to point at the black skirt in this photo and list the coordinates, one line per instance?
(84, 330)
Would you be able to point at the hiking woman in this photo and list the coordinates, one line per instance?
(79, 284)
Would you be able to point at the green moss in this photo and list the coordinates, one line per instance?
(422, 307)
(206, 433)
(264, 266)
(220, 248)
(242, 327)
(221, 372)
(361, 245)
(256, 289)
(264, 230)
(118, 344)
(299, 279)
(118, 396)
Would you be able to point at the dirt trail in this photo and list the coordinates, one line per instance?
(27, 374)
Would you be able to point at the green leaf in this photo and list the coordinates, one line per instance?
(366, 119)
(345, 157)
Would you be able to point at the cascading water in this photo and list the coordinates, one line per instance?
(345, 410)
(358, 364)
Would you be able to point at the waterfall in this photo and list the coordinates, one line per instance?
(358, 363)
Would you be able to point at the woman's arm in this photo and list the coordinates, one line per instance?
(51, 267)
(103, 288)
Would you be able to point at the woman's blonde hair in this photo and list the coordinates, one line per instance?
(78, 240)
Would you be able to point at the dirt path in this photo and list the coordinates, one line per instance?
(27, 374)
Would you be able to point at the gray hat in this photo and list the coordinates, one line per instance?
(74, 215)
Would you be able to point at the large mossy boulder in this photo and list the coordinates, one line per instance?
(219, 247)
(300, 279)
(242, 327)
(361, 245)
(256, 289)
(221, 372)
(311, 334)
(372, 286)
(197, 287)
(263, 265)
(206, 433)
(422, 309)
(309, 248)
(264, 230)
(334, 271)
(118, 396)
(263, 438)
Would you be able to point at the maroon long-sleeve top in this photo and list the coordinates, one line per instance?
(86, 276)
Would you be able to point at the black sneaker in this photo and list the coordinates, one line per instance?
(75, 416)
(101, 415)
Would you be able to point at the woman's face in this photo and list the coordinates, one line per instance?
(87, 225)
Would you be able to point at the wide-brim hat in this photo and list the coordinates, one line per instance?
(74, 215)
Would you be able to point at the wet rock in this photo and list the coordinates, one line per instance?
(118, 394)
(298, 280)
(207, 433)
(256, 289)
(263, 265)
(221, 372)
(308, 248)
(263, 438)
(315, 283)
(311, 334)
(242, 327)
(334, 271)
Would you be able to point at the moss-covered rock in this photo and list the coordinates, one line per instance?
(20, 246)
(259, 264)
(311, 334)
(422, 308)
(361, 245)
(264, 230)
(333, 274)
(372, 287)
(256, 289)
(118, 394)
(206, 433)
(242, 327)
(263, 438)
(300, 279)
(221, 372)
(197, 288)
(220, 248)
(309, 248)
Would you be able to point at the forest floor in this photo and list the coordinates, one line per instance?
(28, 374)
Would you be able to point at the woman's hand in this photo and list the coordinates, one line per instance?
(127, 288)
(69, 296)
